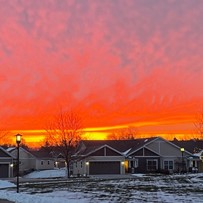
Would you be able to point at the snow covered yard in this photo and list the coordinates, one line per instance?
(56, 173)
(138, 188)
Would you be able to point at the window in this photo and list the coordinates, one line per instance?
(134, 163)
(81, 164)
(168, 165)
(42, 162)
(152, 165)
(48, 162)
(76, 165)
(194, 164)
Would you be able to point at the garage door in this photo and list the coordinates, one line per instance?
(96, 168)
(4, 170)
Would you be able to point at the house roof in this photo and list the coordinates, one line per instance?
(5, 151)
(123, 146)
(192, 146)
(42, 154)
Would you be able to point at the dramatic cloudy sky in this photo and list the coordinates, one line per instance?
(116, 62)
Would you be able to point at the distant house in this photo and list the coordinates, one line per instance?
(44, 160)
(59, 161)
(129, 156)
(6, 164)
(32, 160)
(27, 161)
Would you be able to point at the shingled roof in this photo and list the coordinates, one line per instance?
(192, 146)
(87, 146)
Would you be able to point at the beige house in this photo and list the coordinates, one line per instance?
(32, 160)
(44, 160)
(101, 160)
(27, 162)
(129, 156)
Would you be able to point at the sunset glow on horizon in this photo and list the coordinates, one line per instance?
(117, 64)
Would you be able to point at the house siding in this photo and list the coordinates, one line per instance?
(6, 164)
(82, 167)
(44, 164)
(142, 164)
(27, 160)
(156, 154)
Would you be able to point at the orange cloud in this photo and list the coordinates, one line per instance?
(116, 63)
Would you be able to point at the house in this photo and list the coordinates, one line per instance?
(27, 161)
(32, 160)
(59, 161)
(199, 166)
(6, 164)
(129, 156)
(44, 160)
(194, 146)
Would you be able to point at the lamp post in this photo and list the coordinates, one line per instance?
(182, 150)
(18, 141)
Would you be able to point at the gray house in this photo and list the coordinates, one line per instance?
(129, 156)
(6, 164)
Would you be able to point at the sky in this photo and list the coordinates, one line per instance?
(118, 63)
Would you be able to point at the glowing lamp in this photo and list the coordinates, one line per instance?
(182, 149)
(18, 138)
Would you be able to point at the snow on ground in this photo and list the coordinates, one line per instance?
(56, 173)
(62, 197)
(6, 184)
(139, 188)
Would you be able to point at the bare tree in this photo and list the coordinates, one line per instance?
(199, 124)
(129, 133)
(65, 131)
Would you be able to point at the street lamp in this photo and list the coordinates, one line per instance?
(18, 141)
(182, 150)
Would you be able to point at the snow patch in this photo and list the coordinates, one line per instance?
(56, 173)
(6, 184)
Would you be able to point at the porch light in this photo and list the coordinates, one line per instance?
(122, 162)
(11, 165)
(182, 149)
(87, 163)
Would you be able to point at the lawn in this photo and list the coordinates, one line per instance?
(136, 188)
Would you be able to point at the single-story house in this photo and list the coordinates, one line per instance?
(129, 156)
(32, 160)
(44, 160)
(6, 164)
(27, 161)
